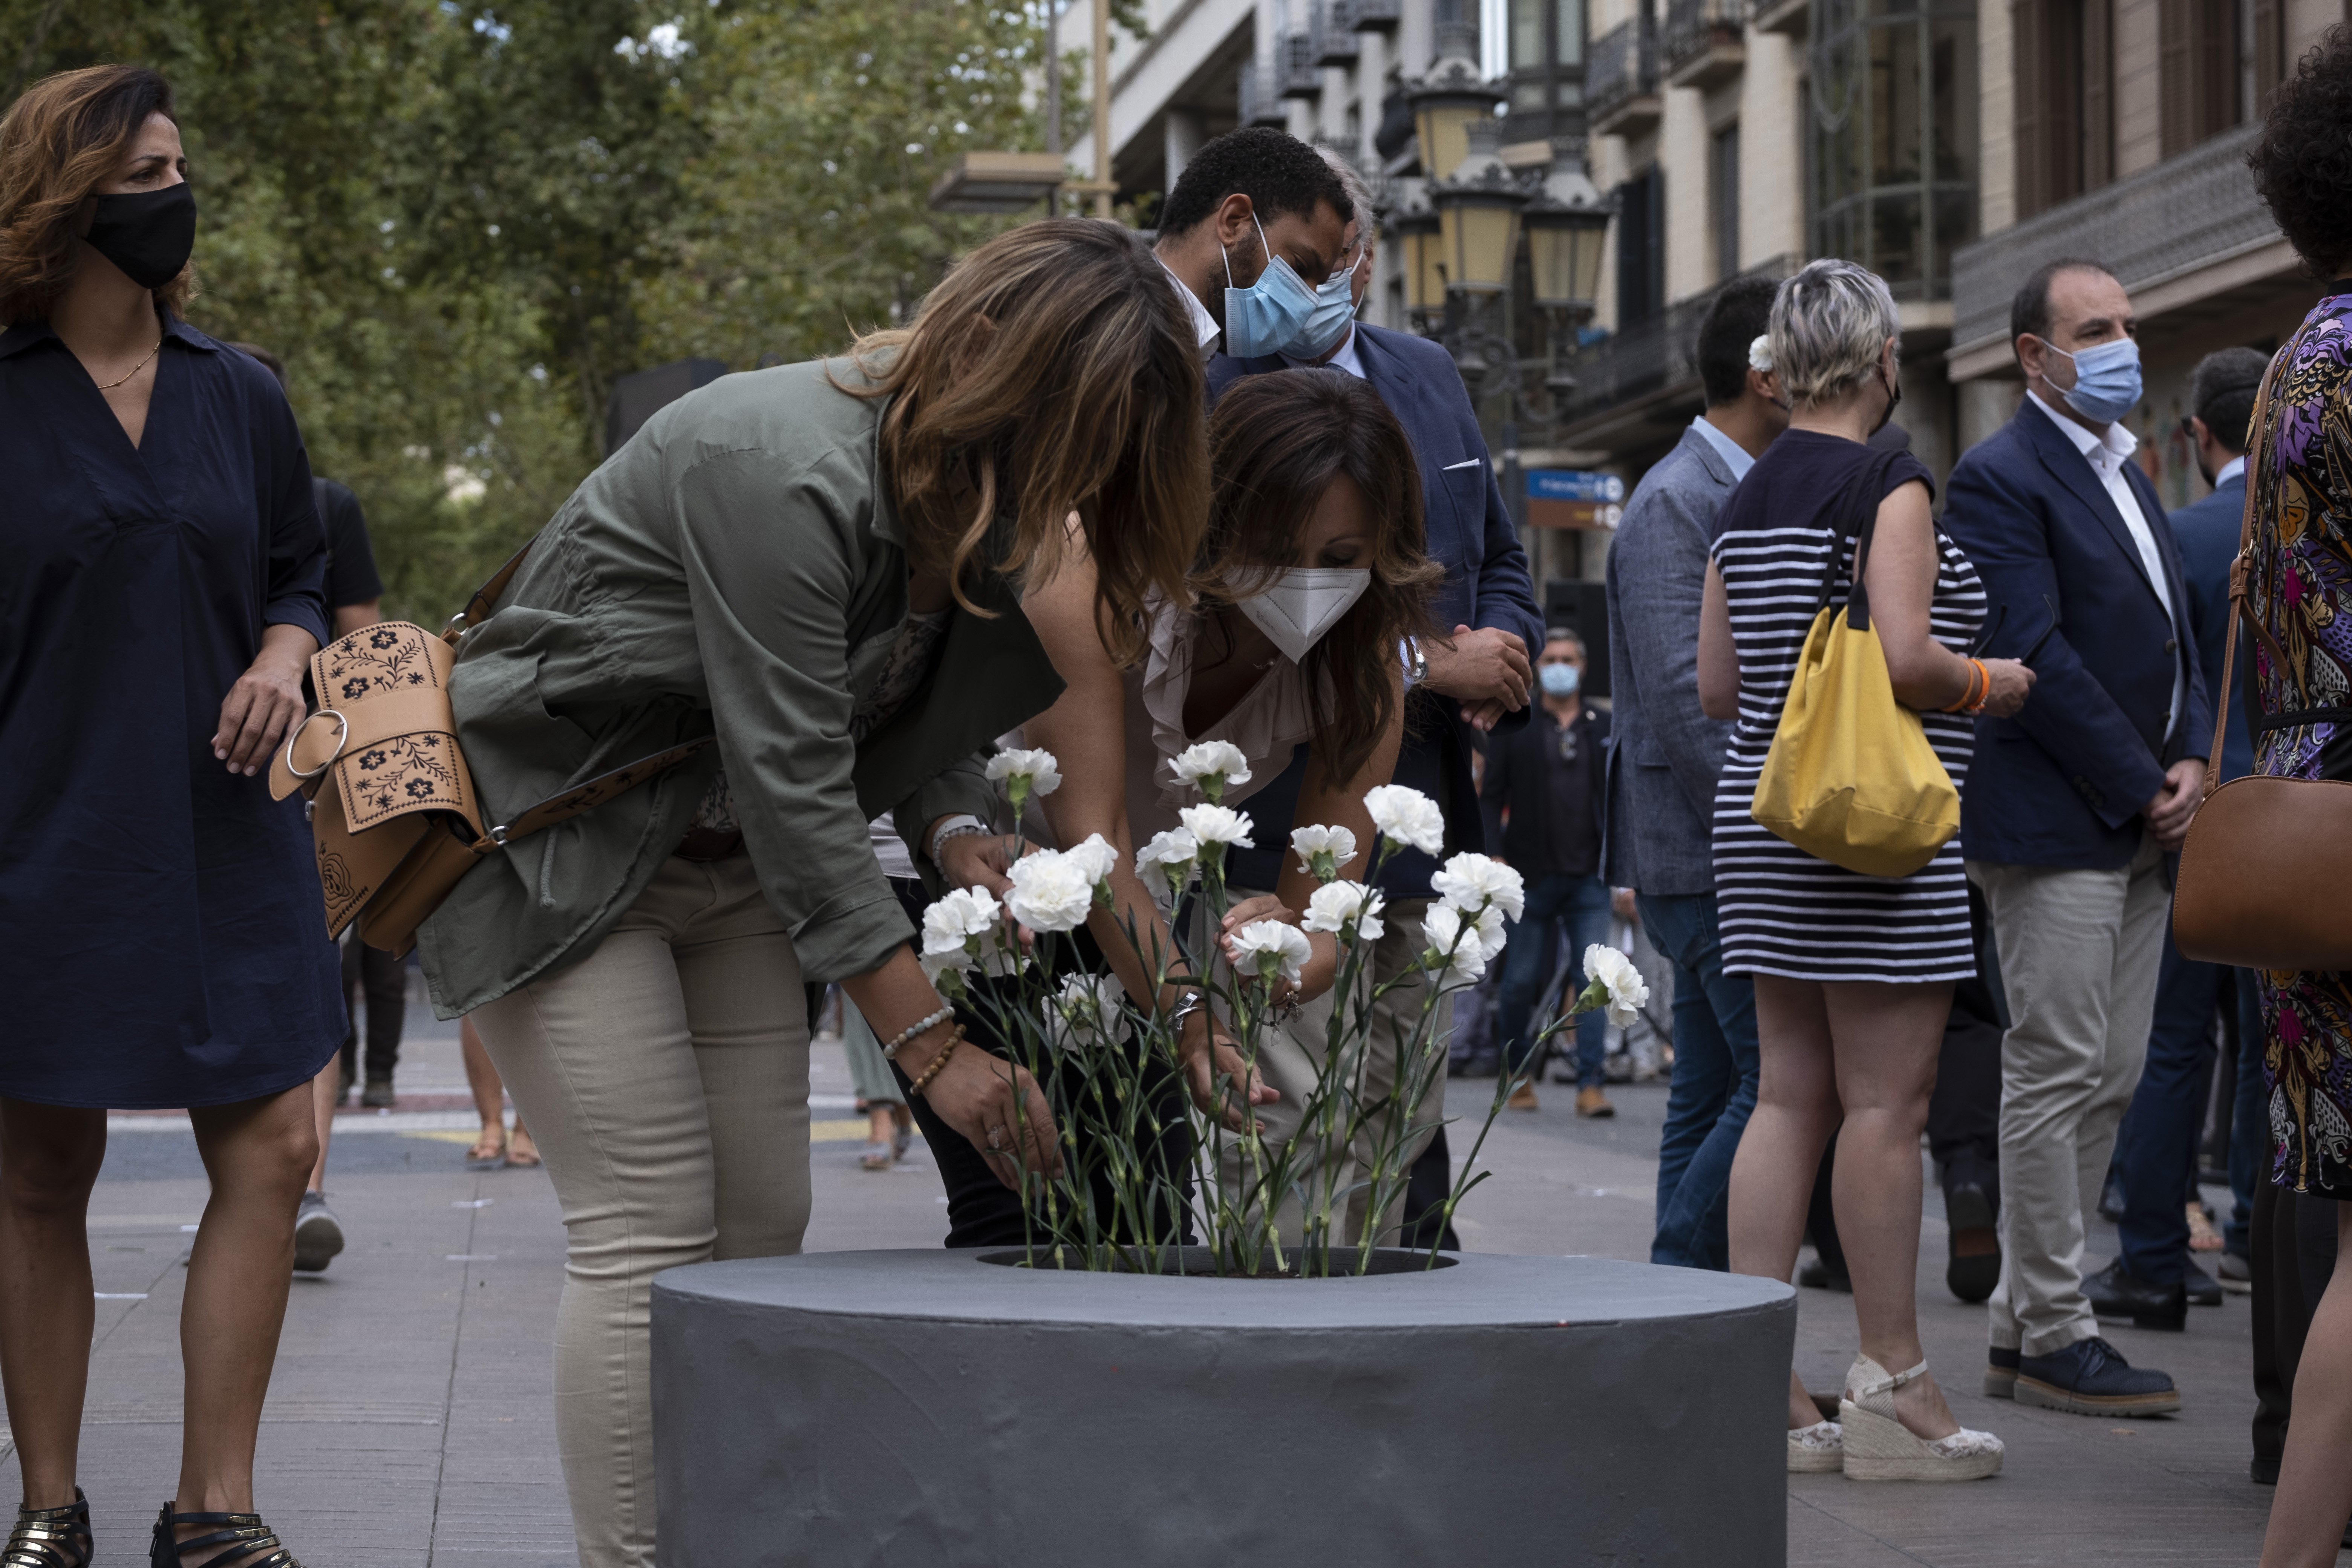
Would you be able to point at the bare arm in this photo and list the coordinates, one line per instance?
(1901, 577)
(266, 702)
(1719, 655)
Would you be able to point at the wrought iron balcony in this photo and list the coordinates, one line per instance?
(1333, 38)
(1374, 16)
(1621, 80)
(1704, 45)
(1293, 65)
(1260, 104)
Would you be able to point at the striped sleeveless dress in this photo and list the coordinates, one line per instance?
(1781, 910)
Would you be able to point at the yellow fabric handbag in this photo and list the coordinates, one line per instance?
(1850, 777)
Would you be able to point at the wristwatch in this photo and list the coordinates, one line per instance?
(1416, 663)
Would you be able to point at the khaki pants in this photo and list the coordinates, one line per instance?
(2079, 955)
(1291, 1058)
(665, 1078)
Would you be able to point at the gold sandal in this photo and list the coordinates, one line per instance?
(51, 1537)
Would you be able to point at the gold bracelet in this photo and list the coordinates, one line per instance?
(938, 1062)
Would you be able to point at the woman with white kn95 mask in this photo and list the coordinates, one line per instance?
(1309, 578)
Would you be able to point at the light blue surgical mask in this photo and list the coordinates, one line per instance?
(1264, 318)
(1334, 311)
(2107, 379)
(1559, 679)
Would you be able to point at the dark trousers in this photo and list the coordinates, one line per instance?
(2250, 1122)
(2156, 1149)
(2294, 1255)
(1582, 905)
(384, 979)
(1713, 1092)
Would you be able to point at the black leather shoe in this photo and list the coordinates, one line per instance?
(2204, 1290)
(1974, 1267)
(2116, 1294)
(2090, 1378)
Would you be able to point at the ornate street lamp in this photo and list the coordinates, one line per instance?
(1568, 231)
(1418, 228)
(1478, 215)
(1448, 98)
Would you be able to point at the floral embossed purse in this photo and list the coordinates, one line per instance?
(393, 816)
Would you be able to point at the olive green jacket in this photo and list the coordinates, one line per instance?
(736, 566)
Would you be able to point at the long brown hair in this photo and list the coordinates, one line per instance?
(1051, 372)
(1277, 442)
(64, 138)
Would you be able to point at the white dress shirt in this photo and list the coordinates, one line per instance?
(1204, 325)
(2108, 453)
(1732, 452)
(1345, 359)
(2229, 470)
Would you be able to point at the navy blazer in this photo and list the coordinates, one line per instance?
(2063, 783)
(2208, 530)
(1469, 533)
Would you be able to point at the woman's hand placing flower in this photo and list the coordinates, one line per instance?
(1308, 955)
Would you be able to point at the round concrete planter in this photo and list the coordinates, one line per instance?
(922, 1408)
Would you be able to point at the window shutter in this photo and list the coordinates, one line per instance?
(2098, 133)
(2028, 94)
(2176, 105)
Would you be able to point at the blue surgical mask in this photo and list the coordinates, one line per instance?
(1264, 318)
(1335, 309)
(1559, 679)
(2107, 380)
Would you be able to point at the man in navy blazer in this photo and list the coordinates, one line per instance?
(2156, 1155)
(1479, 678)
(2071, 809)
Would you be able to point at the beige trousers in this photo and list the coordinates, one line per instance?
(665, 1078)
(2079, 954)
(1291, 1058)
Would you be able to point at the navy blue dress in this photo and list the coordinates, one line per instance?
(162, 940)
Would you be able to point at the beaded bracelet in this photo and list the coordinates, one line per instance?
(919, 1027)
(938, 1062)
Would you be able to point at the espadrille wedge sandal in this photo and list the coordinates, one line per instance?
(1879, 1448)
(1816, 1450)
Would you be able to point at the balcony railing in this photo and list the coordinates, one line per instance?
(1260, 104)
(1374, 16)
(1332, 35)
(1648, 358)
(1621, 79)
(2190, 211)
(1704, 44)
(1293, 65)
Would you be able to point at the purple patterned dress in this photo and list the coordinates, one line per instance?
(2301, 589)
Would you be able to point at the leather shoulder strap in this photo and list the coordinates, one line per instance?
(2241, 568)
(587, 796)
(486, 597)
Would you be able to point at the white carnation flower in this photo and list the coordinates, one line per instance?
(1759, 353)
(1623, 990)
(1094, 856)
(1458, 955)
(1209, 766)
(1172, 851)
(1266, 947)
(1033, 772)
(1088, 1003)
(1408, 817)
(1051, 891)
(1350, 910)
(964, 931)
(945, 971)
(1472, 882)
(1217, 824)
(1321, 851)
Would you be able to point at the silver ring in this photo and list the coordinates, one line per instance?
(995, 1137)
(341, 742)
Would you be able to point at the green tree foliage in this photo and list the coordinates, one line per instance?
(459, 223)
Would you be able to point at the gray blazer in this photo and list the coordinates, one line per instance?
(1666, 754)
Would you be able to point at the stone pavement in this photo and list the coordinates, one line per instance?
(408, 1419)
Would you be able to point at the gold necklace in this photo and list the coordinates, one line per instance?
(111, 386)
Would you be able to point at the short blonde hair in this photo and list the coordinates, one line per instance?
(1830, 324)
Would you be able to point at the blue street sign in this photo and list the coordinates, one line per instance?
(1574, 485)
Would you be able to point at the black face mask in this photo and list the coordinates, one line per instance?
(1894, 400)
(148, 234)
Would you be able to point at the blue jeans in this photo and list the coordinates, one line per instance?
(1582, 904)
(1714, 1089)
(2156, 1149)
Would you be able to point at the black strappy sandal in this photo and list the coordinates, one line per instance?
(245, 1541)
(51, 1537)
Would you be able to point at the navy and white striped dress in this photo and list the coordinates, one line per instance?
(1782, 911)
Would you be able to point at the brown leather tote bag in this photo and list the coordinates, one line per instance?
(393, 817)
(2268, 861)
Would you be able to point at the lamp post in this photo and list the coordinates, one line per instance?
(1448, 98)
(1479, 242)
(1418, 230)
(1567, 223)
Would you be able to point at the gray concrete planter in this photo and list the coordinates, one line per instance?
(927, 1408)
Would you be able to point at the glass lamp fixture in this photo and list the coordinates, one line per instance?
(1568, 231)
(1424, 267)
(1448, 98)
(1478, 215)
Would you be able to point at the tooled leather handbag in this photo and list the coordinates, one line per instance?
(393, 816)
(2263, 873)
